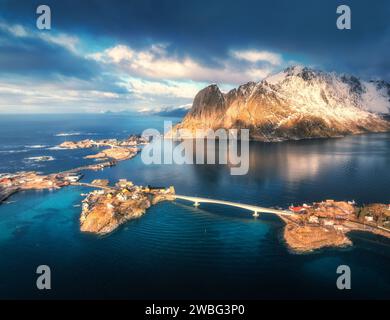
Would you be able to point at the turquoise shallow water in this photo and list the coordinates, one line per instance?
(177, 251)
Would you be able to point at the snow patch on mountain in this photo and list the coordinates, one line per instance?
(317, 86)
(375, 99)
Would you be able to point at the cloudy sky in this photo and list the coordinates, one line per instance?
(134, 55)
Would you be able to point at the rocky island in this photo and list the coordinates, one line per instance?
(116, 153)
(118, 150)
(326, 224)
(31, 180)
(103, 210)
(106, 209)
(11, 183)
(131, 141)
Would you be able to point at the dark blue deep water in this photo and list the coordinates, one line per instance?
(178, 251)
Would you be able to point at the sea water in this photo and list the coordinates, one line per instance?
(176, 250)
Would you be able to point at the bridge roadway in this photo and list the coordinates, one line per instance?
(197, 201)
(255, 209)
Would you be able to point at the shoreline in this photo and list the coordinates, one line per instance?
(104, 210)
(325, 227)
(118, 150)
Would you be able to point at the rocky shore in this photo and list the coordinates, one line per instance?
(104, 210)
(11, 183)
(131, 141)
(31, 180)
(327, 223)
(118, 150)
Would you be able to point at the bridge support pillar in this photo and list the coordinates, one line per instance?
(256, 214)
(196, 204)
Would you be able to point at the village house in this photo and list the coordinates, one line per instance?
(123, 183)
(339, 227)
(121, 197)
(328, 223)
(369, 218)
(314, 219)
(5, 182)
(297, 209)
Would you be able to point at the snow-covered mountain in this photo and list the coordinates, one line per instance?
(297, 103)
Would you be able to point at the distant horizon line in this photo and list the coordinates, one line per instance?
(74, 113)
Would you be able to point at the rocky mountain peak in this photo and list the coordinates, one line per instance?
(297, 103)
(209, 100)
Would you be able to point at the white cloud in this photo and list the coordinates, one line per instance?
(186, 106)
(61, 39)
(259, 73)
(53, 97)
(16, 30)
(75, 95)
(116, 54)
(176, 89)
(153, 77)
(258, 56)
(156, 63)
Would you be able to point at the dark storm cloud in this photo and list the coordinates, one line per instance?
(103, 55)
(36, 57)
(208, 29)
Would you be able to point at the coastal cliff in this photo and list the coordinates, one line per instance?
(297, 103)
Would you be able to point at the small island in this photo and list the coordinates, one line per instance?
(104, 210)
(11, 183)
(131, 141)
(118, 150)
(115, 150)
(326, 224)
(31, 180)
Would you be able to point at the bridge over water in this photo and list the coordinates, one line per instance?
(255, 209)
(197, 201)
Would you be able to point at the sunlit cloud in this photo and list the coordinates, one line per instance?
(16, 30)
(155, 62)
(258, 56)
(167, 88)
(62, 39)
(54, 97)
(127, 77)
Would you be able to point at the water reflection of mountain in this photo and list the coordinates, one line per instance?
(311, 170)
